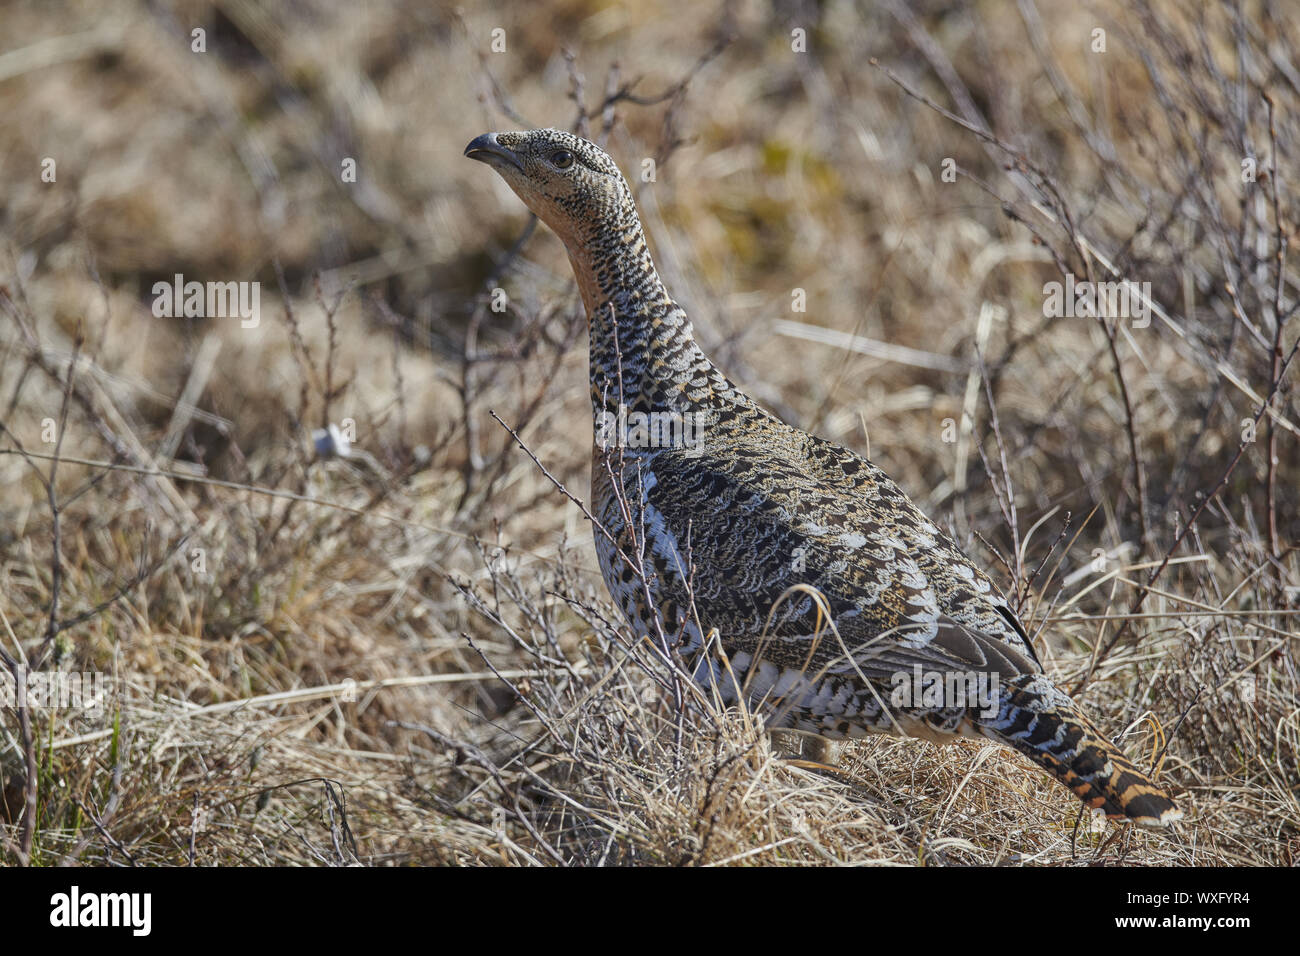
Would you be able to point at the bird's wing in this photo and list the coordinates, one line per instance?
(794, 531)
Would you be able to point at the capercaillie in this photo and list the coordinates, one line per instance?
(838, 607)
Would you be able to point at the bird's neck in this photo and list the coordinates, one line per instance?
(643, 350)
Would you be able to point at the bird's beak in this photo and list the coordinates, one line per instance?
(486, 149)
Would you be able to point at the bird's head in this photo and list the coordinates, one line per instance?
(571, 184)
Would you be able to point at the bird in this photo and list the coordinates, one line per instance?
(786, 570)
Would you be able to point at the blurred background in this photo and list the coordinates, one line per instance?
(911, 174)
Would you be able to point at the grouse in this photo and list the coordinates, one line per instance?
(789, 571)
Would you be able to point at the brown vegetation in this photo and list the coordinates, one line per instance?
(406, 655)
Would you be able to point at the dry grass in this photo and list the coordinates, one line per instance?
(301, 648)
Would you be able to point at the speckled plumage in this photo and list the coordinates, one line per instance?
(821, 580)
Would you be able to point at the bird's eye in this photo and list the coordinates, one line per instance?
(561, 159)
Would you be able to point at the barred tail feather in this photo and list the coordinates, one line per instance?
(1057, 737)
